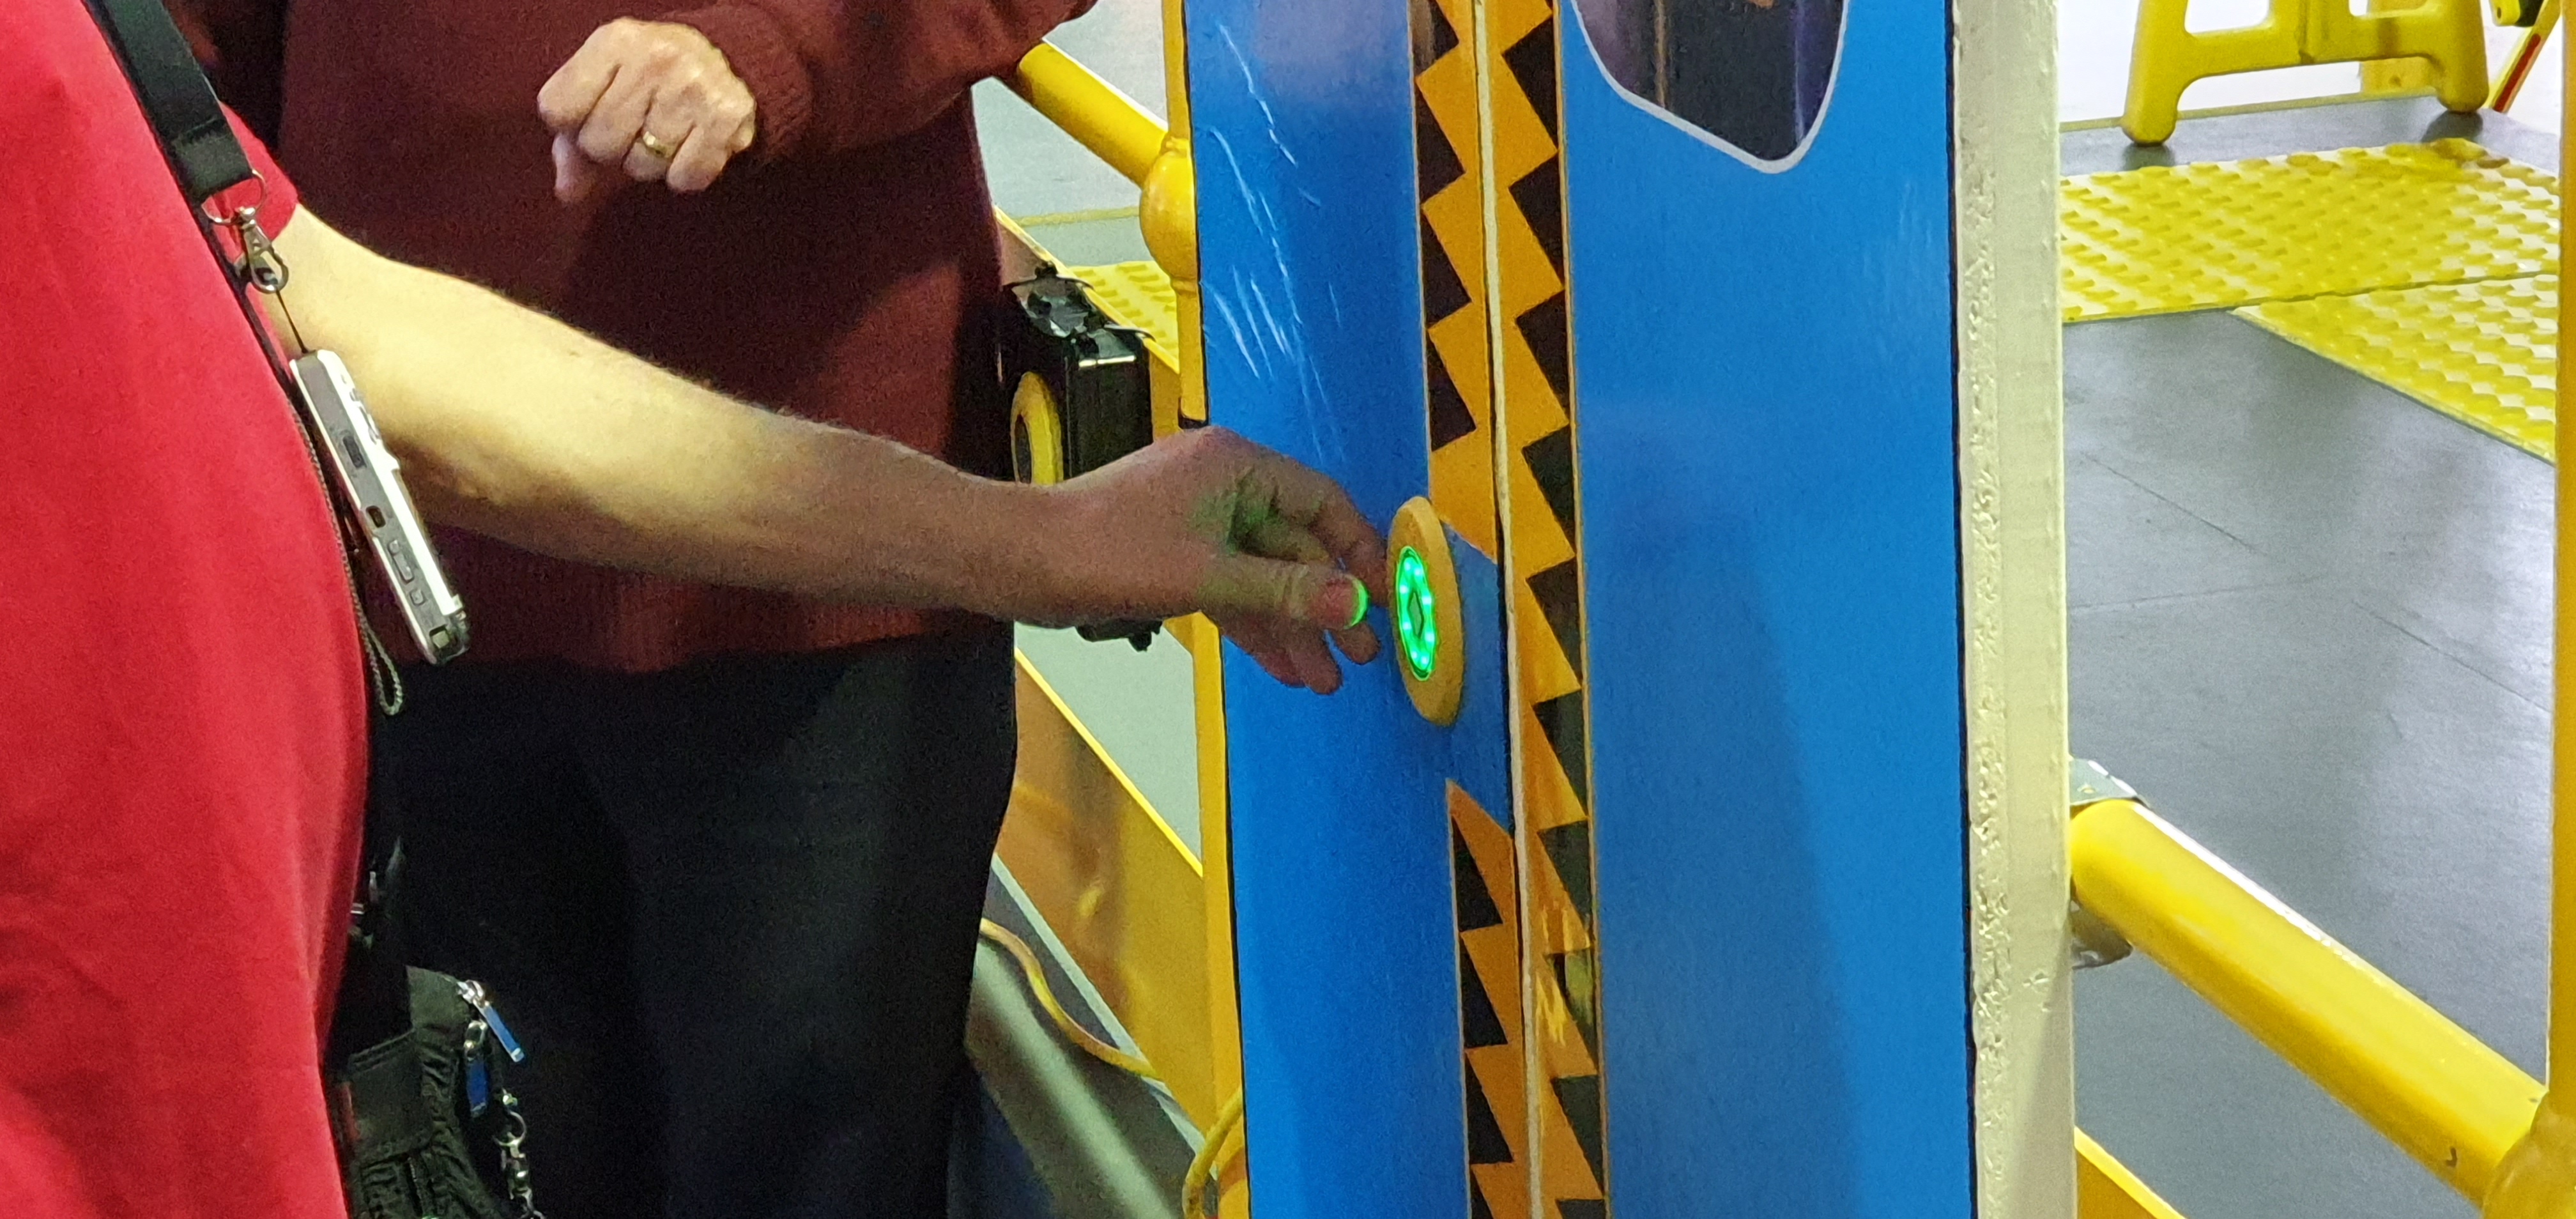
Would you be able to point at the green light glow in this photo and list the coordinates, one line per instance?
(1417, 627)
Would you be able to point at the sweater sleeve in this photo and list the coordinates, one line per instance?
(828, 76)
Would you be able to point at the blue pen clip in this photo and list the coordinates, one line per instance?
(473, 993)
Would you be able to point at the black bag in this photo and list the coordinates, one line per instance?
(417, 1072)
(425, 1124)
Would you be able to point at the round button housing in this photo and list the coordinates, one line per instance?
(1430, 638)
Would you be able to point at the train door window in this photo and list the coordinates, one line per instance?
(1753, 75)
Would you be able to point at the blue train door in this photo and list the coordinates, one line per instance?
(1637, 317)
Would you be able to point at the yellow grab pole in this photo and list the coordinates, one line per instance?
(2538, 1178)
(1089, 109)
(2442, 1095)
(1169, 213)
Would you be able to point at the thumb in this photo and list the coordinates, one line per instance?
(576, 176)
(1315, 594)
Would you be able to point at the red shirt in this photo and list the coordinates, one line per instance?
(844, 269)
(182, 713)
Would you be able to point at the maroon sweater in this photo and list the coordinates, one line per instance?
(842, 269)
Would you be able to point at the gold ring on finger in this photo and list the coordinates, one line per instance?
(653, 144)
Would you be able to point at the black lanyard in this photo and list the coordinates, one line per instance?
(194, 134)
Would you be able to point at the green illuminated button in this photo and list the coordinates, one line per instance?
(1417, 614)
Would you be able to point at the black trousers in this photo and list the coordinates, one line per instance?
(729, 909)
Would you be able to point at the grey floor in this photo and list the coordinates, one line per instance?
(2310, 622)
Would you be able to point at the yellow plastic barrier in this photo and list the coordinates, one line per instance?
(2168, 57)
(2442, 1095)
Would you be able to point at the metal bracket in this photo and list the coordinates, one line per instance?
(2094, 943)
(2087, 783)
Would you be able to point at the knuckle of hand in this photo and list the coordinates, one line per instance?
(1293, 588)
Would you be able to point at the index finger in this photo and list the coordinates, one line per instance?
(567, 98)
(1318, 503)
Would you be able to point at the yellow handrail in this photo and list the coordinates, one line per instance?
(1091, 110)
(2427, 1084)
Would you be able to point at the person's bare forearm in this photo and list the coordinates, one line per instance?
(514, 425)
(519, 427)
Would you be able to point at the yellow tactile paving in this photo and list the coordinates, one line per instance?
(2166, 240)
(2485, 353)
(1136, 294)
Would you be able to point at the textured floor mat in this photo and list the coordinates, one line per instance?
(2485, 353)
(2167, 240)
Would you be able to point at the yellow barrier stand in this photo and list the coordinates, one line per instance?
(2430, 1087)
(2538, 1177)
(2168, 57)
(2395, 75)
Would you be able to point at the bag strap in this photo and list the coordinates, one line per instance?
(181, 105)
(206, 159)
(375, 983)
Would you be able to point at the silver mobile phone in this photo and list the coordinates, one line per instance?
(367, 474)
